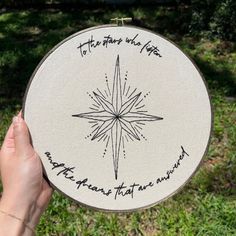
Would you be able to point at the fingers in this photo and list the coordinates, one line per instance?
(45, 195)
(8, 143)
(22, 137)
(20, 114)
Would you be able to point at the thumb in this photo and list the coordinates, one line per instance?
(22, 137)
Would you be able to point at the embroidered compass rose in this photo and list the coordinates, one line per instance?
(116, 116)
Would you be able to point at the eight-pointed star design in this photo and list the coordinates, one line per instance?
(117, 117)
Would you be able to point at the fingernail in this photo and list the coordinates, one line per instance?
(16, 119)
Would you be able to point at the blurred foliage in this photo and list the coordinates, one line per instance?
(31, 33)
(213, 18)
(217, 18)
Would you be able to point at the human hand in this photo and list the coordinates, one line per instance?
(26, 194)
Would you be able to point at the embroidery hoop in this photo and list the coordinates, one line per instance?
(187, 58)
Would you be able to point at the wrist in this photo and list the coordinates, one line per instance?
(16, 207)
(18, 216)
(10, 225)
(30, 213)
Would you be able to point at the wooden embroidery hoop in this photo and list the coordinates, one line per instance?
(130, 27)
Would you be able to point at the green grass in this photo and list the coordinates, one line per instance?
(207, 205)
